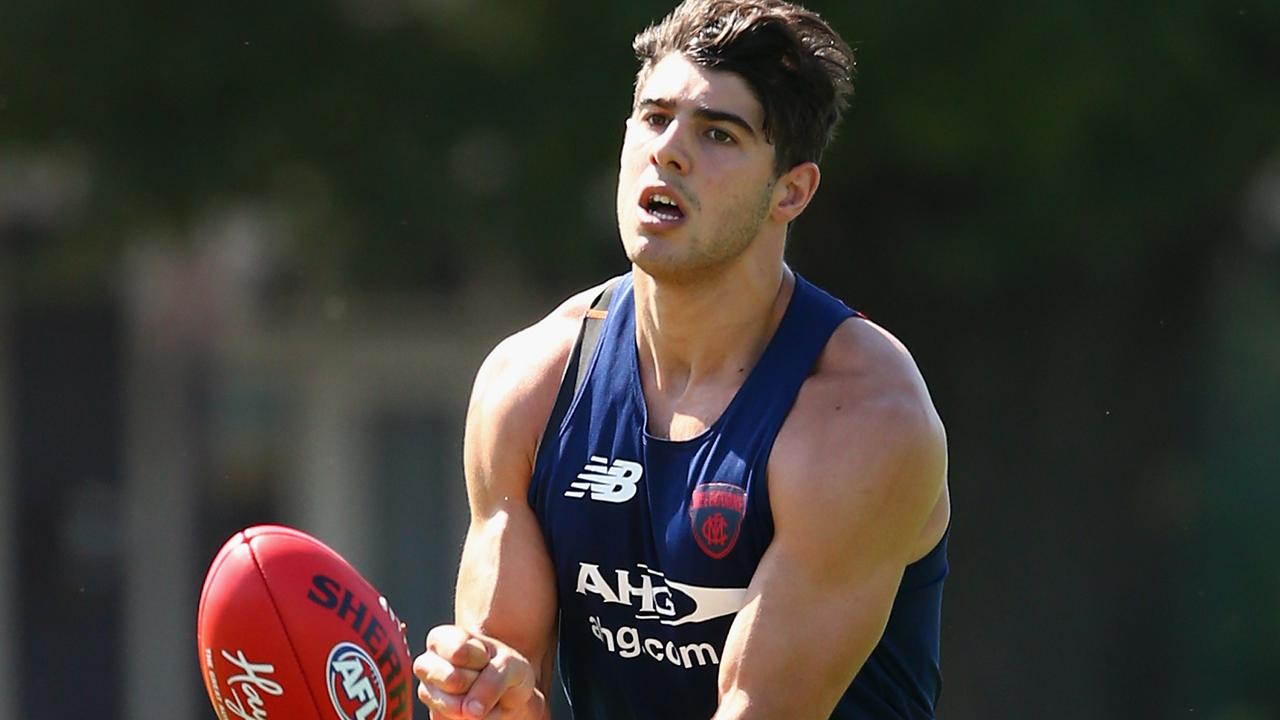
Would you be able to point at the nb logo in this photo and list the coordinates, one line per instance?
(615, 483)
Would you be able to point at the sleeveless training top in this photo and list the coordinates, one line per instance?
(654, 542)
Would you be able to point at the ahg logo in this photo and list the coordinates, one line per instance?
(254, 681)
(355, 687)
(652, 592)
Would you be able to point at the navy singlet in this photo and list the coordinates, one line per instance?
(654, 541)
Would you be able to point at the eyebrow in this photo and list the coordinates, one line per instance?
(704, 113)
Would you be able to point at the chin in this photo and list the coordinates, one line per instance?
(673, 269)
(646, 255)
(641, 246)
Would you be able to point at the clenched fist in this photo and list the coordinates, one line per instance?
(466, 676)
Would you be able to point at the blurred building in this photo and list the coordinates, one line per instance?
(144, 424)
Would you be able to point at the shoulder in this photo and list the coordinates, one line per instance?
(516, 385)
(863, 439)
(866, 376)
(523, 371)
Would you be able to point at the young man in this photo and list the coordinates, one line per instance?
(740, 509)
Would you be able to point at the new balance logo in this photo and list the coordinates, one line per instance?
(615, 483)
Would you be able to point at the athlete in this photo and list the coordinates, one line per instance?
(722, 494)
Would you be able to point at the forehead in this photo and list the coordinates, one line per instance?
(679, 80)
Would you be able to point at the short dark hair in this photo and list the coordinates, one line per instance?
(800, 69)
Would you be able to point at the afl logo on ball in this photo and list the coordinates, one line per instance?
(355, 687)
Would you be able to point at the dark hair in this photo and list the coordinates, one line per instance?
(800, 69)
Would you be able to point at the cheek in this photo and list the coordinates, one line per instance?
(622, 202)
(633, 156)
(631, 166)
(744, 181)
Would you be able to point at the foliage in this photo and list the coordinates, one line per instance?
(1044, 199)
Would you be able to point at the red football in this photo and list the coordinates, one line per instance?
(288, 630)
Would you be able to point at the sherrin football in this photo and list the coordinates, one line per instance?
(288, 630)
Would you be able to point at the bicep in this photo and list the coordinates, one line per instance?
(822, 593)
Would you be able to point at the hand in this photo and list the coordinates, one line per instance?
(465, 676)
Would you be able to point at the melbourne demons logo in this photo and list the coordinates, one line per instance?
(716, 511)
(355, 687)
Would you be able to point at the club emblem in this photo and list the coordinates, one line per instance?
(715, 511)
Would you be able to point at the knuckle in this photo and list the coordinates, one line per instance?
(460, 655)
(426, 698)
(440, 704)
(443, 675)
(477, 647)
(487, 687)
(501, 663)
(472, 654)
(426, 665)
(457, 680)
(441, 637)
(515, 670)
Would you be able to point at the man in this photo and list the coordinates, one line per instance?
(734, 504)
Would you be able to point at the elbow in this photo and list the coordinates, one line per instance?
(738, 704)
(735, 703)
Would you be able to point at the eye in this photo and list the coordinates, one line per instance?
(720, 136)
(653, 119)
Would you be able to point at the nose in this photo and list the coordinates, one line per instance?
(668, 151)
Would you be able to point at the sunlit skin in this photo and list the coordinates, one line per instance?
(699, 133)
(856, 475)
(714, 276)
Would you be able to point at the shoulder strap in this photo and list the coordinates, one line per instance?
(584, 348)
(592, 323)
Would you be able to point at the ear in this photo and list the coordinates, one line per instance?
(794, 190)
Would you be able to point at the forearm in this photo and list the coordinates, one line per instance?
(796, 645)
(506, 586)
(785, 702)
(498, 654)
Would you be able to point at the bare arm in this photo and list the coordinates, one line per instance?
(857, 487)
(497, 656)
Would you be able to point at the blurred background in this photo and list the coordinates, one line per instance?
(251, 255)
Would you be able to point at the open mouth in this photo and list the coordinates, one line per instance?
(663, 207)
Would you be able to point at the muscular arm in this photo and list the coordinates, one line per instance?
(506, 586)
(857, 487)
(500, 649)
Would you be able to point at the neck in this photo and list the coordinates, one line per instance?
(717, 327)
